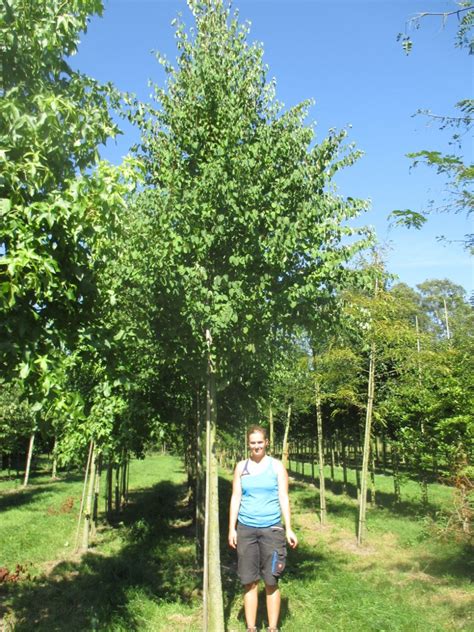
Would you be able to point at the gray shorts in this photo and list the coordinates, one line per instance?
(261, 552)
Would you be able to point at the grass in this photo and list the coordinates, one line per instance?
(140, 573)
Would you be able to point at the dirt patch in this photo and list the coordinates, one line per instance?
(21, 573)
(183, 623)
(66, 507)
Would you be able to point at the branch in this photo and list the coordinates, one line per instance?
(445, 15)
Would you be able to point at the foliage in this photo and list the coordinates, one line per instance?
(55, 210)
(453, 166)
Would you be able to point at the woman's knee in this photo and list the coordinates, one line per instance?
(271, 588)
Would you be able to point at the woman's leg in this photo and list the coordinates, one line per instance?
(251, 603)
(273, 605)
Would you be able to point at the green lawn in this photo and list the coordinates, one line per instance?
(140, 573)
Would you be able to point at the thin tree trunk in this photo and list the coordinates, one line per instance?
(84, 487)
(110, 485)
(54, 469)
(28, 459)
(214, 611)
(285, 449)
(446, 320)
(322, 486)
(117, 488)
(344, 465)
(272, 429)
(88, 509)
(372, 475)
(423, 481)
(396, 475)
(331, 452)
(123, 480)
(199, 508)
(366, 453)
(95, 504)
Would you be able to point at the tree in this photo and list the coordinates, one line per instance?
(249, 236)
(56, 200)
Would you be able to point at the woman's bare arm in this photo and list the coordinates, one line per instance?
(235, 505)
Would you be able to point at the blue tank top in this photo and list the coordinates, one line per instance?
(260, 505)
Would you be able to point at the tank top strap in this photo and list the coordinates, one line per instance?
(245, 469)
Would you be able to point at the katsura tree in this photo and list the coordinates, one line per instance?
(251, 235)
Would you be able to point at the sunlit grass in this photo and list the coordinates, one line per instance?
(140, 573)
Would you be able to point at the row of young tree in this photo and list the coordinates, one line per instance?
(210, 280)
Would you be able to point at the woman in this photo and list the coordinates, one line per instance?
(259, 500)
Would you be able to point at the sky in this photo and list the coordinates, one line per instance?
(344, 55)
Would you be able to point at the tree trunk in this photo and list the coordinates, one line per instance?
(285, 458)
(123, 480)
(423, 480)
(272, 429)
(366, 452)
(28, 459)
(214, 606)
(110, 484)
(333, 460)
(54, 469)
(322, 487)
(95, 504)
(384, 454)
(84, 487)
(372, 475)
(344, 465)
(199, 507)
(396, 475)
(117, 488)
(89, 500)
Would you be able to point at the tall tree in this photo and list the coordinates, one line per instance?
(250, 235)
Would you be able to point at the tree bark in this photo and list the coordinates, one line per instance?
(322, 485)
(110, 477)
(423, 481)
(95, 504)
(285, 449)
(214, 606)
(88, 509)
(28, 459)
(54, 469)
(84, 487)
(272, 429)
(199, 508)
(396, 475)
(344, 465)
(366, 452)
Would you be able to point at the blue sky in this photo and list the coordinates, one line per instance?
(344, 55)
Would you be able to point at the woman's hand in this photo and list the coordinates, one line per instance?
(291, 538)
(233, 538)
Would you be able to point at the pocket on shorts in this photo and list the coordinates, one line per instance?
(279, 551)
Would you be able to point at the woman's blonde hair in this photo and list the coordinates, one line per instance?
(256, 428)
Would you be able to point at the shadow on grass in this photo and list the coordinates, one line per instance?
(94, 593)
(457, 564)
(408, 508)
(13, 498)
